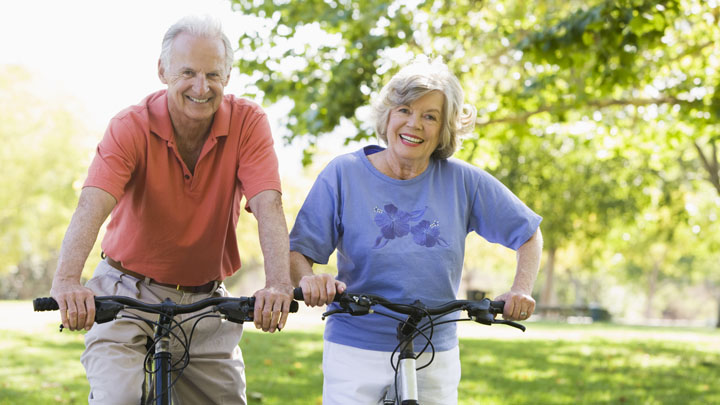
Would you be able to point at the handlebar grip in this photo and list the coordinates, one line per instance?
(497, 307)
(45, 304)
(298, 295)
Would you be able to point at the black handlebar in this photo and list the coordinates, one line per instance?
(482, 311)
(236, 309)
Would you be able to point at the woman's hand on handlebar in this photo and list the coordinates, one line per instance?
(320, 289)
(518, 306)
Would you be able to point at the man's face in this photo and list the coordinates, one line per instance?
(195, 77)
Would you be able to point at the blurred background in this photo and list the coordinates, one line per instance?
(601, 115)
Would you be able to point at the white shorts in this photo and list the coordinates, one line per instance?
(358, 376)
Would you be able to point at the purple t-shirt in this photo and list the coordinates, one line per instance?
(403, 239)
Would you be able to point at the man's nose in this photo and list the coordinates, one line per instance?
(200, 85)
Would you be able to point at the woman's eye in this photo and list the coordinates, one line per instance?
(404, 110)
(431, 117)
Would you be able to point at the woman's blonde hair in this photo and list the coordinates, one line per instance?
(416, 80)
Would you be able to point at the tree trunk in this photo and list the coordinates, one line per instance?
(717, 325)
(652, 287)
(548, 297)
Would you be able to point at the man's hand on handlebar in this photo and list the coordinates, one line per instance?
(320, 289)
(272, 305)
(76, 304)
(518, 306)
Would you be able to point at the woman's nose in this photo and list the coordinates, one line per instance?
(413, 121)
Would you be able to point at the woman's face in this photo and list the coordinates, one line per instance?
(413, 131)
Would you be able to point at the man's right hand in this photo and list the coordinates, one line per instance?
(76, 304)
(320, 289)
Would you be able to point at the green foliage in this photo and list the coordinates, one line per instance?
(599, 114)
(334, 74)
(43, 161)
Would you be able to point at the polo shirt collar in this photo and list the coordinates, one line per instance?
(161, 125)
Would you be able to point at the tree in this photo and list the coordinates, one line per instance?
(625, 82)
(43, 164)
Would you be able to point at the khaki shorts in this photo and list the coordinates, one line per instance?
(115, 351)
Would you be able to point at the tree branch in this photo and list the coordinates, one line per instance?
(596, 103)
(711, 164)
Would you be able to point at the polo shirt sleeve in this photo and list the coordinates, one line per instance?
(115, 159)
(257, 161)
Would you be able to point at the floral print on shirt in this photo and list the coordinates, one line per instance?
(395, 223)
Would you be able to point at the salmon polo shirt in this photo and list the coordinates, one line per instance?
(169, 224)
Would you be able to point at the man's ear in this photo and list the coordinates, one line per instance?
(161, 72)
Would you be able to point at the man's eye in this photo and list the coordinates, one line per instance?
(187, 73)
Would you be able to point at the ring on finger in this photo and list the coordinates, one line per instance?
(523, 313)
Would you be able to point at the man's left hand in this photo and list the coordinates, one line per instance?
(272, 305)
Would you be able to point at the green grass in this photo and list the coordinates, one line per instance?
(550, 364)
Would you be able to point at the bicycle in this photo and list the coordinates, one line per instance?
(158, 367)
(404, 391)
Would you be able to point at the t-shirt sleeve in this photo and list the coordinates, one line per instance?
(318, 225)
(257, 161)
(115, 159)
(499, 216)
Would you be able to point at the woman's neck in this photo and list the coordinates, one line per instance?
(396, 168)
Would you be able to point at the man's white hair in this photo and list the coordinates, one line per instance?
(206, 26)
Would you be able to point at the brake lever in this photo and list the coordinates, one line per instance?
(236, 313)
(510, 323)
(333, 312)
(355, 306)
(106, 311)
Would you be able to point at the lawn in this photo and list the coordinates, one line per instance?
(550, 364)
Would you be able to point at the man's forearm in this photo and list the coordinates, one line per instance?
(93, 208)
(273, 235)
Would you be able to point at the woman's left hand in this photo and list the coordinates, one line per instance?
(518, 306)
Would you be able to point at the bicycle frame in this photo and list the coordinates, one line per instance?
(233, 309)
(405, 389)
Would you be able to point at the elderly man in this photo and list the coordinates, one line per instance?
(172, 170)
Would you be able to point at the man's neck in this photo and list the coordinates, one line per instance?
(191, 130)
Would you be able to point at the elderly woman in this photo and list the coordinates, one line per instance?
(398, 217)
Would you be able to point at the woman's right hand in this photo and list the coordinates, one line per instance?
(320, 289)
